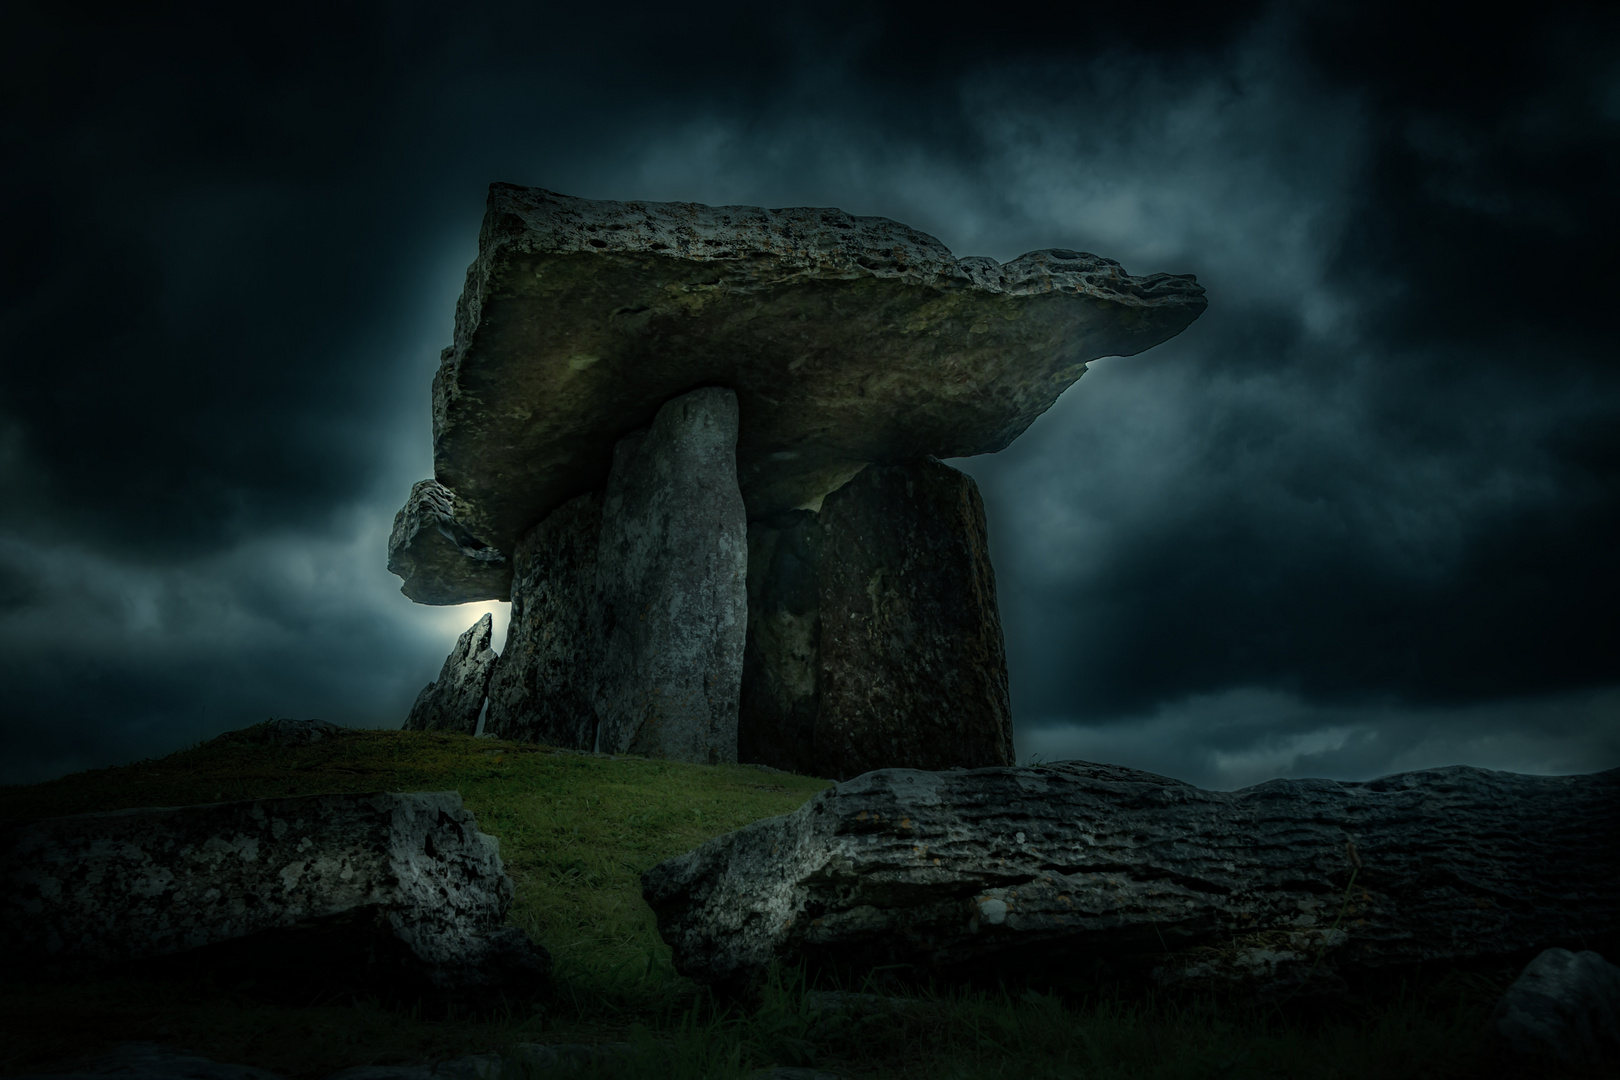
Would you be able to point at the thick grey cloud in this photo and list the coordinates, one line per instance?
(1358, 518)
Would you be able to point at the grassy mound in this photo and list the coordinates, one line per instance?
(576, 831)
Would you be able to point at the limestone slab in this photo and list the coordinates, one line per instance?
(672, 578)
(911, 669)
(544, 688)
(847, 339)
(1052, 870)
(453, 701)
(408, 873)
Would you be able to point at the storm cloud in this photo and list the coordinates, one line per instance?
(1360, 517)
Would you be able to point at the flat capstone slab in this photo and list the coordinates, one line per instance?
(848, 340)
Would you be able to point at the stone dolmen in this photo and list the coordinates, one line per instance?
(697, 448)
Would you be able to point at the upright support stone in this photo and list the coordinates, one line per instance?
(544, 689)
(453, 702)
(672, 570)
(874, 639)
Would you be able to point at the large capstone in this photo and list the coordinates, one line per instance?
(544, 688)
(672, 575)
(848, 340)
(874, 638)
(453, 701)
(398, 893)
(1054, 871)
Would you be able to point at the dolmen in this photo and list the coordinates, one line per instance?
(698, 450)
(1086, 872)
(393, 895)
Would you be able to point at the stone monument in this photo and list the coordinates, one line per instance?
(697, 448)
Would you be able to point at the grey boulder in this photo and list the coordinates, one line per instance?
(672, 567)
(454, 700)
(1563, 1010)
(149, 1061)
(847, 340)
(1049, 870)
(398, 894)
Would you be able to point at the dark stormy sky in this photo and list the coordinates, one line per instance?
(1361, 517)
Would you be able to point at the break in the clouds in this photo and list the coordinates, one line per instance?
(1356, 519)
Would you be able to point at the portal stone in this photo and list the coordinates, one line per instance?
(544, 688)
(672, 576)
(874, 639)
(455, 700)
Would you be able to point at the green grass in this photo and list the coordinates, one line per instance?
(576, 831)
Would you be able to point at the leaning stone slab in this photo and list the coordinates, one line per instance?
(1564, 1010)
(1051, 870)
(454, 700)
(874, 638)
(847, 339)
(911, 670)
(544, 688)
(672, 578)
(399, 893)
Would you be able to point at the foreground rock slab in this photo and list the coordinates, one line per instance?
(1564, 1010)
(396, 893)
(1292, 884)
(848, 340)
(672, 575)
(453, 701)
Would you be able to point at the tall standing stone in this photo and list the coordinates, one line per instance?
(544, 689)
(454, 700)
(672, 575)
(887, 596)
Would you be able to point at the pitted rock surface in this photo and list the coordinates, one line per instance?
(1040, 869)
(410, 874)
(544, 687)
(848, 340)
(672, 569)
(454, 700)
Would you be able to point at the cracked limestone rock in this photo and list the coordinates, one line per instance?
(1048, 870)
(454, 700)
(392, 893)
(848, 340)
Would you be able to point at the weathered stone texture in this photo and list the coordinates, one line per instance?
(453, 702)
(1051, 869)
(672, 573)
(440, 561)
(1563, 1011)
(874, 638)
(412, 870)
(911, 670)
(847, 340)
(544, 688)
